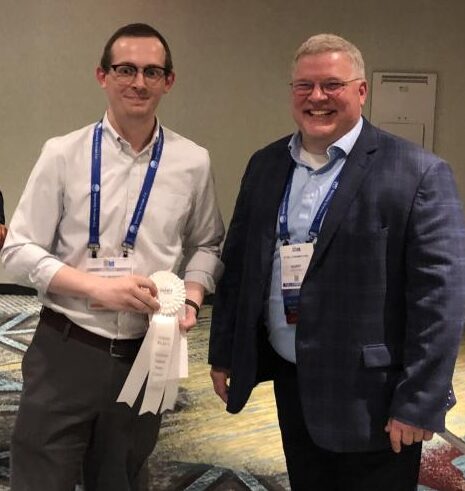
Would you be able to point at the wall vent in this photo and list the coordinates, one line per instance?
(404, 79)
(403, 104)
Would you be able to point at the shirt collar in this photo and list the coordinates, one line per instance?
(120, 142)
(345, 143)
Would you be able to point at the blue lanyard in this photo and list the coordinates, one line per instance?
(315, 227)
(94, 225)
(320, 214)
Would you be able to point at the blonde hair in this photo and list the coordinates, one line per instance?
(328, 43)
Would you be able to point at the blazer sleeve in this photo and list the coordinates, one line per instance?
(435, 298)
(227, 291)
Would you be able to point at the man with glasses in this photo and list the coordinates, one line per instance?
(123, 197)
(344, 283)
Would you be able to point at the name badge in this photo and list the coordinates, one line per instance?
(108, 267)
(295, 259)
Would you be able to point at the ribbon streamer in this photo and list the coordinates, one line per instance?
(162, 358)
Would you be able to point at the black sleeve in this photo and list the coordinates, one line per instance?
(226, 295)
(2, 211)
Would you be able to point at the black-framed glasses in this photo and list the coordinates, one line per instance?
(125, 73)
(329, 88)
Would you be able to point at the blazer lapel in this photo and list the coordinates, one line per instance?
(271, 192)
(357, 165)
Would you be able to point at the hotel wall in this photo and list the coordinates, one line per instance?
(232, 61)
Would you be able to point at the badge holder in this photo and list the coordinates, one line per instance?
(295, 259)
(107, 267)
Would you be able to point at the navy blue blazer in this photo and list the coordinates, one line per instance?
(382, 303)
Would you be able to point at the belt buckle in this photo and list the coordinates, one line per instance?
(113, 352)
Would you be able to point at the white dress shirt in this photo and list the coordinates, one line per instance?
(181, 230)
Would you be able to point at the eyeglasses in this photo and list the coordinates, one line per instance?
(330, 88)
(126, 73)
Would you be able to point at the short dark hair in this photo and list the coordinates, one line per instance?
(135, 31)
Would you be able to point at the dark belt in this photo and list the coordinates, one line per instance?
(118, 348)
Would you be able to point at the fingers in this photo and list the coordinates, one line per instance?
(428, 435)
(404, 434)
(126, 294)
(417, 436)
(147, 283)
(395, 436)
(143, 291)
(219, 378)
(133, 304)
(189, 321)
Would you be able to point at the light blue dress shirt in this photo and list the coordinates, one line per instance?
(308, 190)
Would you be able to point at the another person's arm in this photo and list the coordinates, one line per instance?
(3, 229)
(3, 232)
(227, 292)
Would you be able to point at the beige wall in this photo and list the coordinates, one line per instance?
(232, 62)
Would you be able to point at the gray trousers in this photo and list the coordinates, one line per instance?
(70, 427)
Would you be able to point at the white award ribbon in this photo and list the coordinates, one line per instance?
(162, 358)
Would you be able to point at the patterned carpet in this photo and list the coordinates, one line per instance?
(201, 447)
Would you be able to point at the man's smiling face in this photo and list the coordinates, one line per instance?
(137, 99)
(321, 118)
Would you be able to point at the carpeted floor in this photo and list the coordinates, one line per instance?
(201, 447)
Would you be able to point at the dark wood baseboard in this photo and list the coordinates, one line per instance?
(12, 289)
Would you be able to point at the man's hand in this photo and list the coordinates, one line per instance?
(404, 434)
(120, 294)
(219, 377)
(190, 320)
(3, 232)
(125, 294)
(195, 292)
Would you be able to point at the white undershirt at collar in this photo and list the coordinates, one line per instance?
(313, 160)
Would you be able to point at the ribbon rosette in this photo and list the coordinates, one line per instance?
(162, 358)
